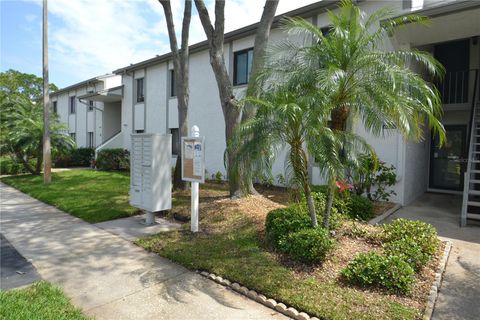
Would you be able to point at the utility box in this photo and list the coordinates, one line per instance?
(151, 172)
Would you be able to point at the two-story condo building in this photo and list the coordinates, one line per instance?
(141, 98)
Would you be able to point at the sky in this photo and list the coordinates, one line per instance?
(88, 38)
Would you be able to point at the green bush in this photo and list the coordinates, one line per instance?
(341, 201)
(113, 159)
(360, 208)
(421, 233)
(80, 157)
(9, 166)
(309, 245)
(281, 222)
(371, 269)
(320, 200)
(409, 251)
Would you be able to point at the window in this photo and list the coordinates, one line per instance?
(139, 131)
(140, 90)
(72, 105)
(242, 66)
(54, 107)
(175, 141)
(73, 136)
(90, 105)
(90, 140)
(326, 30)
(173, 85)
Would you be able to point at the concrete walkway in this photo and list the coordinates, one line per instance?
(109, 277)
(460, 291)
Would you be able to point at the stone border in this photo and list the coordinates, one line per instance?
(295, 314)
(260, 298)
(384, 215)
(432, 298)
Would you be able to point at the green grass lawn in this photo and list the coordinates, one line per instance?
(93, 196)
(239, 255)
(38, 301)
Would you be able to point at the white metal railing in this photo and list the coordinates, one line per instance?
(107, 142)
(466, 181)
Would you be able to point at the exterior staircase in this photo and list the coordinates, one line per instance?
(471, 188)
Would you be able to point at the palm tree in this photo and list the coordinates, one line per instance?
(291, 114)
(22, 127)
(359, 79)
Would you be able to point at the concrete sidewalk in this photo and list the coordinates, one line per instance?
(109, 277)
(460, 290)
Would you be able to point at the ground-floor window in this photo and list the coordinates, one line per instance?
(90, 140)
(175, 141)
(73, 136)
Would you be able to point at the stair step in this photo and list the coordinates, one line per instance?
(474, 171)
(474, 192)
(474, 181)
(473, 203)
(473, 216)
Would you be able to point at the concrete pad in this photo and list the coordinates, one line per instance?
(460, 289)
(189, 296)
(132, 228)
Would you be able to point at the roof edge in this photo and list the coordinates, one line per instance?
(306, 11)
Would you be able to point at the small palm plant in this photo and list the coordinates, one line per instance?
(357, 79)
(21, 129)
(290, 116)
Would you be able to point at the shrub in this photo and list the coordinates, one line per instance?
(9, 166)
(309, 245)
(419, 232)
(360, 208)
(113, 159)
(281, 222)
(320, 200)
(80, 157)
(371, 269)
(219, 177)
(371, 173)
(409, 251)
(340, 201)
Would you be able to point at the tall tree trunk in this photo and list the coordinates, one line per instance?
(231, 113)
(262, 35)
(339, 118)
(47, 159)
(181, 73)
(328, 206)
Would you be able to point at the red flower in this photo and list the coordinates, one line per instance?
(342, 186)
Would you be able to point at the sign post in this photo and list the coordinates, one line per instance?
(193, 169)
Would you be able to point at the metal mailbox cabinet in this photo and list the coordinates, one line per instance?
(150, 172)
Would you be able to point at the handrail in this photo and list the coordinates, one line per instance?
(104, 143)
(466, 181)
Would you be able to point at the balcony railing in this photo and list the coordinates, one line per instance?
(454, 89)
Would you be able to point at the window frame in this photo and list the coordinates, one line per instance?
(91, 139)
(72, 104)
(54, 107)
(140, 94)
(248, 66)
(173, 84)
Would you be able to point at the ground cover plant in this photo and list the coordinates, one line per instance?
(93, 196)
(234, 244)
(38, 301)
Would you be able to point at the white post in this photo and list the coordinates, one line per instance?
(195, 132)
(149, 218)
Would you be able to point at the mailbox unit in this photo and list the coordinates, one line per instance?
(150, 172)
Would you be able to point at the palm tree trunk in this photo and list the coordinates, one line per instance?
(339, 118)
(26, 165)
(310, 204)
(328, 206)
(47, 178)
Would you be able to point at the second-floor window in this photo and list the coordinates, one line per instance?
(72, 104)
(173, 85)
(54, 107)
(90, 105)
(140, 90)
(242, 66)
